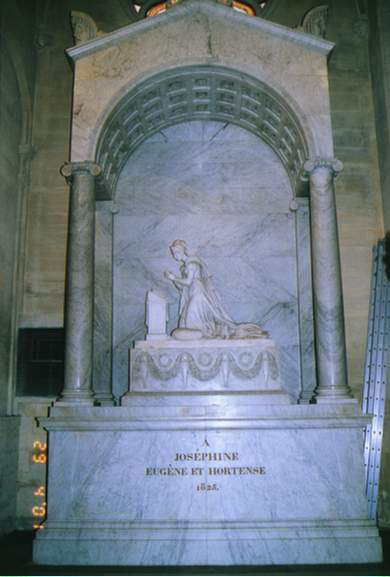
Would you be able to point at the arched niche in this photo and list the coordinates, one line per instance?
(226, 192)
(201, 93)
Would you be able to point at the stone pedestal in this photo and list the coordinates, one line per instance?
(206, 478)
(205, 365)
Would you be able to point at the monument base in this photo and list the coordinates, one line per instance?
(202, 543)
(189, 484)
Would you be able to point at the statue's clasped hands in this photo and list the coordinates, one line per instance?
(169, 275)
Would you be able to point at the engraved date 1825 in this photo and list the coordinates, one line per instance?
(207, 487)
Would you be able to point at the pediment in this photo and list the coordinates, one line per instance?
(133, 71)
(189, 13)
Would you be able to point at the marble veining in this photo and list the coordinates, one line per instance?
(305, 299)
(327, 288)
(225, 192)
(102, 333)
(241, 496)
(79, 283)
(180, 494)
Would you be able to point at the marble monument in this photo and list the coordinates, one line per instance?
(224, 451)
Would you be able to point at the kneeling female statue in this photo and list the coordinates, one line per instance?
(201, 310)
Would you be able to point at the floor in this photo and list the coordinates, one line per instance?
(16, 559)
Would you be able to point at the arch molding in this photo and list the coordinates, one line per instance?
(200, 93)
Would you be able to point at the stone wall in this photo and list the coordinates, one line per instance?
(379, 17)
(16, 79)
(16, 88)
(10, 128)
(9, 437)
(48, 203)
(47, 216)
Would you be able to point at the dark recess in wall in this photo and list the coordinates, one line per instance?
(40, 369)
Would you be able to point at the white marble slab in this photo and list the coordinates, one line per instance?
(285, 484)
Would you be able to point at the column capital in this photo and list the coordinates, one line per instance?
(69, 169)
(332, 164)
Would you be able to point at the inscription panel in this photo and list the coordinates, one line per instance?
(210, 467)
(203, 475)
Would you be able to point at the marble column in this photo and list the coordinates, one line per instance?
(79, 292)
(332, 383)
(102, 338)
(300, 207)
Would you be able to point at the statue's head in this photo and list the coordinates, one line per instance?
(178, 249)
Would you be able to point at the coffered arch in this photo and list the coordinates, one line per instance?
(201, 93)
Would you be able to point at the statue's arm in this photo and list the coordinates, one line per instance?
(183, 281)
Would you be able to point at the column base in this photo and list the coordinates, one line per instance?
(72, 398)
(331, 394)
(105, 399)
(306, 398)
